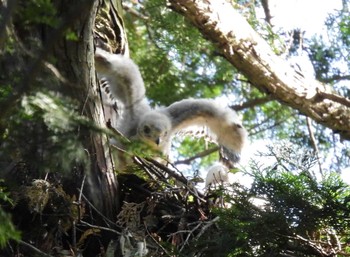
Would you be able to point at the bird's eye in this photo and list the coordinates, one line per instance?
(146, 129)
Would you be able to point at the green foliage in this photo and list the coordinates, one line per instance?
(344, 28)
(7, 229)
(37, 12)
(5, 90)
(297, 210)
(338, 23)
(287, 210)
(305, 204)
(46, 129)
(249, 10)
(71, 36)
(330, 56)
(322, 58)
(173, 56)
(177, 63)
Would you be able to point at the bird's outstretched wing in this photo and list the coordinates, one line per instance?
(225, 126)
(122, 78)
(139, 121)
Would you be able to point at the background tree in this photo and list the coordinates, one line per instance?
(53, 157)
(265, 117)
(165, 34)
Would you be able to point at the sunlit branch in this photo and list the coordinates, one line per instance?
(334, 97)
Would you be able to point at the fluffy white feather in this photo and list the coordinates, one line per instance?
(217, 174)
(223, 123)
(126, 85)
(158, 127)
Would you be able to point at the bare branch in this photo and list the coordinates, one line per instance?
(108, 221)
(199, 155)
(41, 253)
(179, 178)
(313, 143)
(251, 103)
(265, 5)
(133, 11)
(335, 78)
(100, 227)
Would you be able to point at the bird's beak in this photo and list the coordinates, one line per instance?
(158, 141)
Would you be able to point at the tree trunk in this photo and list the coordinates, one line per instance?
(48, 48)
(43, 55)
(218, 21)
(75, 60)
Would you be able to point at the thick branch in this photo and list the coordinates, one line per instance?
(249, 53)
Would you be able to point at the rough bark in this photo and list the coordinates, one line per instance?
(45, 59)
(39, 57)
(71, 74)
(75, 61)
(219, 22)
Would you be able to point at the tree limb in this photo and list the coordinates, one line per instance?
(265, 5)
(335, 78)
(199, 155)
(38, 251)
(335, 98)
(249, 53)
(313, 143)
(251, 103)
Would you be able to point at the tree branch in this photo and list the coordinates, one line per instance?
(265, 5)
(251, 103)
(335, 78)
(219, 22)
(313, 143)
(199, 155)
(334, 97)
(38, 251)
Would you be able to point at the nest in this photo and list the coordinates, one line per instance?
(161, 214)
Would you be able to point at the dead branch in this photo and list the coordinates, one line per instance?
(199, 155)
(100, 227)
(265, 5)
(41, 253)
(179, 178)
(313, 143)
(98, 212)
(251, 103)
(206, 226)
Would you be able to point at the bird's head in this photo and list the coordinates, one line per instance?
(154, 127)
